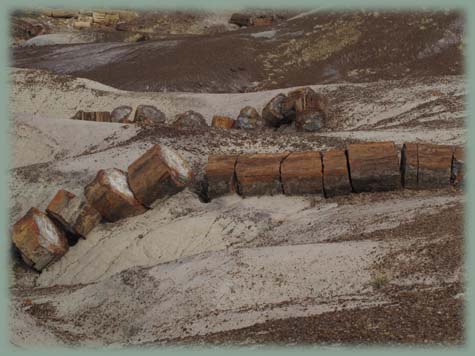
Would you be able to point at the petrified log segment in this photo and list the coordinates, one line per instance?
(435, 165)
(301, 173)
(99, 116)
(38, 239)
(272, 113)
(458, 168)
(121, 114)
(110, 194)
(190, 118)
(74, 214)
(220, 175)
(149, 115)
(374, 167)
(222, 122)
(259, 174)
(158, 173)
(409, 165)
(249, 119)
(336, 180)
(241, 19)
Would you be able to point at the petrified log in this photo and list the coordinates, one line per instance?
(158, 173)
(149, 115)
(301, 173)
(74, 214)
(309, 120)
(409, 165)
(121, 114)
(223, 122)
(110, 194)
(38, 239)
(336, 180)
(99, 116)
(190, 118)
(435, 166)
(220, 175)
(241, 19)
(249, 119)
(263, 21)
(374, 167)
(458, 168)
(259, 174)
(272, 113)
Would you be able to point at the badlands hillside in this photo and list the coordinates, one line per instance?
(366, 268)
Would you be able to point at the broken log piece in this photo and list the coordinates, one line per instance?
(259, 174)
(309, 120)
(191, 119)
(301, 173)
(73, 214)
(409, 165)
(222, 122)
(220, 176)
(149, 115)
(272, 113)
(38, 239)
(336, 180)
(458, 164)
(111, 196)
(241, 20)
(249, 119)
(374, 167)
(435, 166)
(99, 116)
(121, 114)
(263, 21)
(158, 173)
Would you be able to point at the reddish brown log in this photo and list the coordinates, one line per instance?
(301, 173)
(220, 175)
(409, 165)
(336, 180)
(259, 174)
(222, 122)
(38, 239)
(435, 166)
(374, 167)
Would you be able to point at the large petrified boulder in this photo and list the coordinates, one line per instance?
(149, 115)
(374, 167)
(99, 116)
(190, 118)
(308, 108)
(220, 175)
(38, 239)
(158, 173)
(74, 214)
(259, 174)
(435, 165)
(301, 173)
(336, 180)
(249, 119)
(110, 194)
(222, 122)
(409, 165)
(458, 168)
(273, 114)
(121, 114)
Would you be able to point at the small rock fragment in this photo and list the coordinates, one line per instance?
(249, 119)
(190, 118)
(223, 122)
(149, 115)
(121, 114)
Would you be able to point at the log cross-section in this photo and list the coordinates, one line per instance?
(336, 180)
(301, 173)
(435, 166)
(259, 174)
(409, 165)
(220, 175)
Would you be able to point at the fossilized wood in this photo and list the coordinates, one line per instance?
(458, 166)
(220, 176)
(301, 173)
(409, 165)
(374, 167)
(435, 165)
(259, 174)
(222, 122)
(336, 180)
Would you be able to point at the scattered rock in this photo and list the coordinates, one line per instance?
(74, 214)
(220, 176)
(190, 118)
(121, 114)
(223, 122)
(336, 180)
(158, 173)
(309, 120)
(374, 167)
(110, 194)
(149, 115)
(249, 119)
(38, 239)
(301, 173)
(435, 166)
(272, 114)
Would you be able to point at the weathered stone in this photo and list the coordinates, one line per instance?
(458, 163)
(409, 165)
(74, 214)
(336, 180)
(38, 239)
(220, 175)
(149, 115)
(272, 113)
(435, 166)
(121, 114)
(249, 118)
(241, 19)
(223, 122)
(259, 174)
(301, 173)
(190, 118)
(110, 194)
(158, 173)
(374, 167)
(309, 120)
